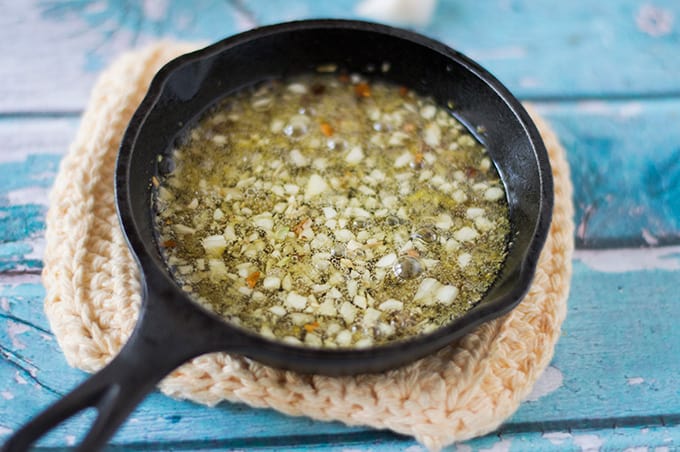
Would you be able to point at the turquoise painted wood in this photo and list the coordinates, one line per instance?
(605, 74)
(538, 48)
(591, 386)
(624, 158)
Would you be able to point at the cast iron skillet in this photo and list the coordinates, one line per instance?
(172, 329)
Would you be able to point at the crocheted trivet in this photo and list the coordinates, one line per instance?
(93, 296)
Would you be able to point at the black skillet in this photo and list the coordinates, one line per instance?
(172, 329)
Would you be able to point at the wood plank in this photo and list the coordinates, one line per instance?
(624, 159)
(632, 439)
(625, 166)
(543, 49)
(32, 149)
(627, 375)
(59, 47)
(568, 49)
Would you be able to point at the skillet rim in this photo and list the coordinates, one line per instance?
(419, 345)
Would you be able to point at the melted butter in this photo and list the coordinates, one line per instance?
(332, 213)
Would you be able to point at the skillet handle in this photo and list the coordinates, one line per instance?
(167, 334)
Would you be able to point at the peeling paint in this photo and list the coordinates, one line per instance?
(7, 395)
(4, 304)
(37, 248)
(549, 381)
(557, 438)
(649, 237)
(15, 329)
(155, 10)
(631, 259)
(501, 446)
(633, 381)
(588, 443)
(463, 448)
(95, 7)
(529, 82)
(415, 12)
(637, 449)
(70, 440)
(29, 195)
(595, 107)
(415, 448)
(654, 21)
(630, 110)
(5, 431)
(19, 379)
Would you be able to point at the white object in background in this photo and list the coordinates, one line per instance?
(412, 12)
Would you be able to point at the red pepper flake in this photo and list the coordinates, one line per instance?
(298, 228)
(418, 159)
(310, 327)
(413, 253)
(155, 182)
(409, 127)
(403, 91)
(362, 89)
(471, 172)
(344, 78)
(327, 129)
(252, 279)
(169, 244)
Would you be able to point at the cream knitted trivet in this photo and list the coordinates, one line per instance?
(93, 295)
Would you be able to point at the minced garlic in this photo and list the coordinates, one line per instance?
(332, 212)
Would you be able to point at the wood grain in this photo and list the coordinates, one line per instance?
(539, 49)
(624, 161)
(605, 74)
(598, 381)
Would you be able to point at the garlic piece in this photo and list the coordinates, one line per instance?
(426, 291)
(464, 259)
(387, 260)
(465, 234)
(214, 245)
(446, 294)
(344, 338)
(354, 156)
(348, 312)
(391, 305)
(432, 134)
(315, 186)
(271, 283)
(296, 301)
(493, 194)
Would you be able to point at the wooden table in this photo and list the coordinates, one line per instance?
(605, 74)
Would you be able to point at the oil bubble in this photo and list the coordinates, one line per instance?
(407, 267)
(360, 223)
(426, 234)
(393, 220)
(339, 251)
(297, 126)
